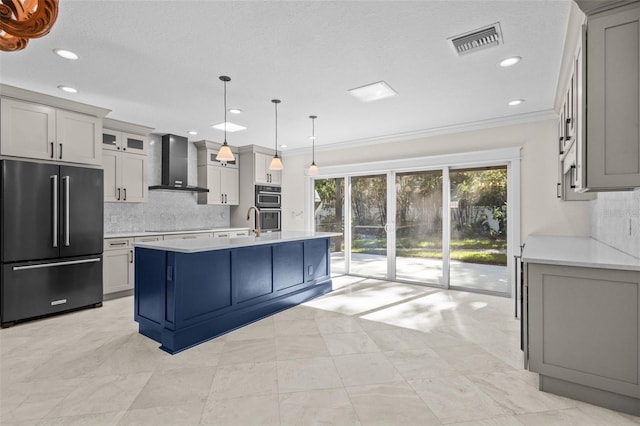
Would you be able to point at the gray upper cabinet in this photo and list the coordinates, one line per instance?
(611, 154)
(571, 131)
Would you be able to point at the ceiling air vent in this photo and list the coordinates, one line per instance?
(475, 40)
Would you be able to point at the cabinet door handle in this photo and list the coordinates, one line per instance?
(118, 198)
(52, 149)
(560, 148)
(573, 176)
(125, 194)
(558, 190)
(60, 154)
(122, 243)
(130, 256)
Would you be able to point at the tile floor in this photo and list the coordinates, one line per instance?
(370, 353)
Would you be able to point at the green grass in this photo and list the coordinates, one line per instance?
(406, 242)
(481, 257)
(487, 252)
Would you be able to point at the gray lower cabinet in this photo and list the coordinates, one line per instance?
(584, 333)
(118, 267)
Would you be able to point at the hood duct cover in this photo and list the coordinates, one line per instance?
(175, 165)
(473, 41)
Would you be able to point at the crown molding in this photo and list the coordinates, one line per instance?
(435, 131)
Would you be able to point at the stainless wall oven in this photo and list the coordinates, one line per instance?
(270, 219)
(268, 197)
(268, 201)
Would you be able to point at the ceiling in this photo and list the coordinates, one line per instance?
(157, 63)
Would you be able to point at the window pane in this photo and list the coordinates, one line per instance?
(328, 205)
(419, 227)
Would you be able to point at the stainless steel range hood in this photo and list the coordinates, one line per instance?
(175, 165)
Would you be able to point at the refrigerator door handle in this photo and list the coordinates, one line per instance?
(54, 183)
(65, 180)
(53, 264)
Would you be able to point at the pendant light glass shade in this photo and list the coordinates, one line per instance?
(313, 169)
(225, 154)
(276, 163)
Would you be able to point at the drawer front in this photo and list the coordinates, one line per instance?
(30, 289)
(117, 243)
(148, 239)
(189, 236)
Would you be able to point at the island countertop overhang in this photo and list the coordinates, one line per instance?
(208, 244)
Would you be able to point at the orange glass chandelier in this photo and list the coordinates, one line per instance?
(24, 20)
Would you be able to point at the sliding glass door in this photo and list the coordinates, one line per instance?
(369, 226)
(328, 213)
(418, 227)
(479, 229)
(445, 227)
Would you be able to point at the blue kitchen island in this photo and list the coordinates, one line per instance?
(190, 291)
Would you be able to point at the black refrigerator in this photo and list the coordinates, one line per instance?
(51, 236)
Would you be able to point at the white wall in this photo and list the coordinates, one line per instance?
(541, 211)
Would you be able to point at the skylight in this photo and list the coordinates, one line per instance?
(373, 92)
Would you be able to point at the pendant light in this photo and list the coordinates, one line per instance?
(276, 164)
(313, 169)
(225, 154)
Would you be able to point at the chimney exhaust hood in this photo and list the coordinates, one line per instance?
(174, 165)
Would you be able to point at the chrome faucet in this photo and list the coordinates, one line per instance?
(257, 214)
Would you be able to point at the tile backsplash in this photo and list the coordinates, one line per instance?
(615, 220)
(165, 210)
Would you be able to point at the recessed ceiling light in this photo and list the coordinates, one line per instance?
(235, 110)
(283, 146)
(515, 102)
(373, 92)
(64, 53)
(192, 132)
(508, 62)
(68, 89)
(230, 127)
(312, 137)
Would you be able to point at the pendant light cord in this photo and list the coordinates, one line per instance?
(313, 141)
(276, 104)
(225, 111)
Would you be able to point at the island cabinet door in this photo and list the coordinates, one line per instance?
(316, 259)
(149, 290)
(252, 274)
(199, 286)
(288, 266)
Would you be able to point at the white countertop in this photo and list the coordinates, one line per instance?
(576, 251)
(132, 234)
(207, 244)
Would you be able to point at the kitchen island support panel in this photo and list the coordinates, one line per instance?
(183, 299)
